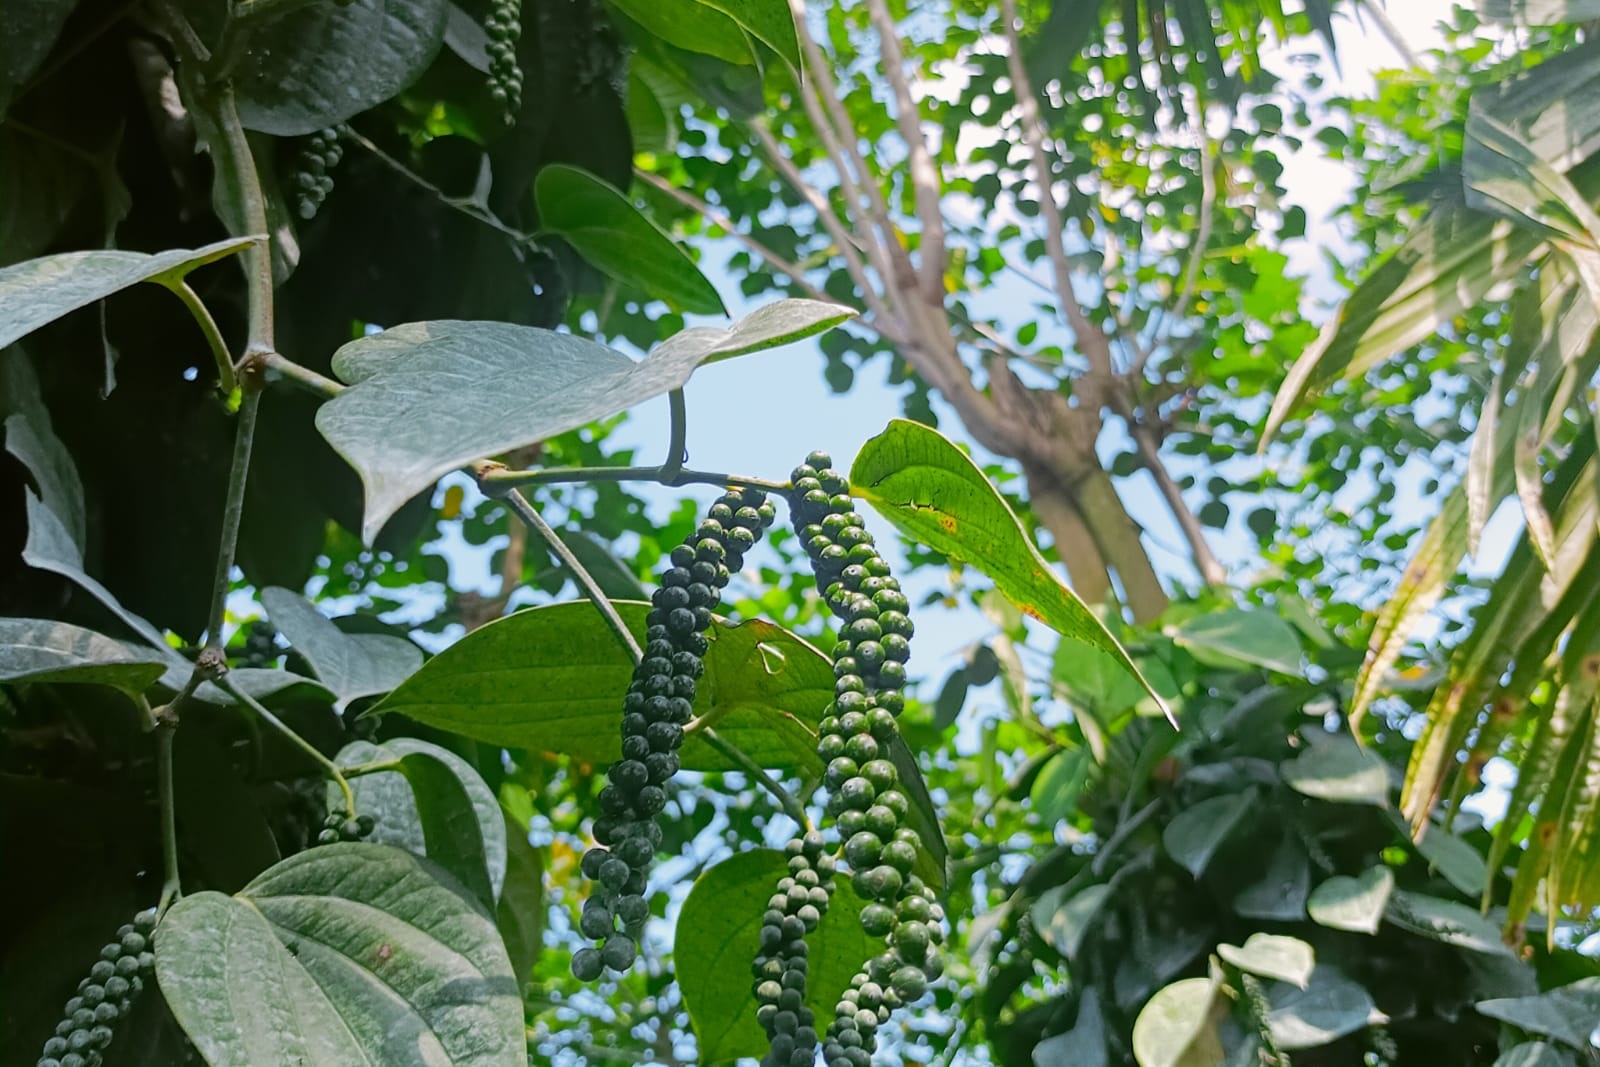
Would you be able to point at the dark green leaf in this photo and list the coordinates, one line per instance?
(1063, 921)
(769, 21)
(619, 240)
(435, 805)
(1446, 921)
(322, 64)
(31, 438)
(352, 665)
(932, 492)
(719, 934)
(1356, 904)
(39, 650)
(1567, 1013)
(1082, 1046)
(615, 580)
(428, 397)
(343, 954)
(1340, 770)
(1250, 636)
(1280, 893)
(1194, 836)
(552, 679)
(923, 817)
(1330, 1006)
(1056, 788)
(520, 916)
(32, 27)
(39, 291)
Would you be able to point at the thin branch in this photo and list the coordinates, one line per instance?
(171, 887)
(591, 589)
(1211, 569)
(825, 215)
(240, 168)
(925, 178)
(208, 326)
(1093, 341)
(330, 768)
(1392, 33)
(497, 480)
(791, 804)
(677, 441)
(232, 511)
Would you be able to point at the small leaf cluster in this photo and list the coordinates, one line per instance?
(89, 1019)
(657, 706)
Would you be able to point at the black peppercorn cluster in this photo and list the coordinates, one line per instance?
(854, 741)
(312, 179)
(659, 701)
(338, 826)
(504, 29)
(260, 645)
(793, 911)
(88, 1022)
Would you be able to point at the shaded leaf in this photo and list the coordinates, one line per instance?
(1082, 1046)
(1460, 864)
(922, 816)
(552, 679)
(322, 64)
(1275, 956)
(520, 916)
(1251, 636)
(39, 650)
(32, 27)
(1330, 1006)
(352, 665)
(719, 934)
(428, 397)
(39, 291)
(1356, 904)
(31, 438)
(1196, 833)
(1566, 1013)
(1538, 12)
(619, 240)
(1340, 770)
(345, 953)
(932, 492)
(1533, 1054)
(1058, 783)
(768, 21)
(1063, 921)
(1280, 893)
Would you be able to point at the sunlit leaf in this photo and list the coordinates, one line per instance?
(1356, 904)
(1276, 956)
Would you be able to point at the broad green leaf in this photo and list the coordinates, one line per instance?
(435, 805)
(619, 240)
(615, 580)
(1534, 1054)
(323, 64)
(922, 816)
(352, 665)
(1460, 864)
(552, 679)
(693, 26)
(652, 127)
(1355, 904)
(352, 954)
(39, 650)
(1280, 893)
(932, 492)
(1093, 680)
(719, 934)
(31, 438)
(769, 21)
(521, 912)
(32, 27)
(1329, 1007)
(1446, 265)
(1566, 1013)
(1062, 920)
(1275, 956)
(1196, 833)
(1178, 1027)
(1243, 635)
(428, 397)
(39, 291)
(1082, 1046)
(1340, 770)
(1446, 921)
(223, 832)
(1538, 12)
(1058, 783)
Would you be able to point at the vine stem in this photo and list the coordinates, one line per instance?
(279, 367)
(375, 767)
(332, 769)
(591, 589)
(171, 886)
(500, 479)
(233, 510)
(788, 801)
(247, 185)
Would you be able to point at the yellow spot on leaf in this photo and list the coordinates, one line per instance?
(452, 502)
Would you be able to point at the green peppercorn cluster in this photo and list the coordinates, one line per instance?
(793, 911)
(659, 701)
(338, 826)
(88, 1022)
(504, 29)
(854, 742)
(260, 645)
(312, 178)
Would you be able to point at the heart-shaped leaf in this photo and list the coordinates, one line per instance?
(1327, 1008)
(322, 64)
(433, 804)
(1356, 904)
(1445, 921)
(1339, 770)
(718, 935)
(1286, 959)
(1194, 836)
(933, 493)
(352, 665)
(39, 291)
(619, 240)
(552, 679)
(345, 953)
(1178, 1026)
(428, 397)
(39, 650)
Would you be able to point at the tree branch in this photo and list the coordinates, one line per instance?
(1211, 569)
(925, 178)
